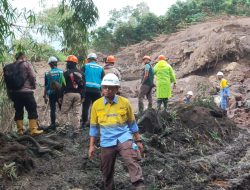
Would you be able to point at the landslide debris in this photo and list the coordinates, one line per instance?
(194, 50)
(191, 147)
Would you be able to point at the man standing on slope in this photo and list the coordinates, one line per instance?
(224, 92)
(147, 83)
(165, 76)
(112, 117)
(24, 95)
(93, 77)
(109, 66)
(72, 93)
(54, 79)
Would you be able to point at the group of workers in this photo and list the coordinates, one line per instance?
(112, 118)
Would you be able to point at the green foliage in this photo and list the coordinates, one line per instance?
(69, 23)
(9, 170)
(7, 17)
(215, 136)
(36, 51)
(8, 28)
(125, 27)
(132, 25)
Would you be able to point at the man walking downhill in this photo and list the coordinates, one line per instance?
(165, 77)
(147, 83)
(109, 66)
(54, 79)
(112, 117)
(23, 96)
(224, 92)
(93, 77)
(72, 93)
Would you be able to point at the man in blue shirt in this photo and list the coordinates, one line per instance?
(188, 98)
(93, 74)
(112, 117)
(53, 81)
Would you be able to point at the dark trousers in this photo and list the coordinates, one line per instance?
(27, 100)
(52, 103)
(160, 101)
(90, 97)
(145, 90)
(130, 158)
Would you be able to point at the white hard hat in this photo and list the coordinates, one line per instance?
(92, 56)
(52, 59)
(190, 93)
(220, 74)
(110, 79)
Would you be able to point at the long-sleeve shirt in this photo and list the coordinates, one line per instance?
(56, 75)
(73, 82)
(93, 74)
(165, 75)
(112, 69)
(30, 79)
(113, 122)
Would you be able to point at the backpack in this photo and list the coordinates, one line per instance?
(54, 85)
(76, 79)
(13, 76)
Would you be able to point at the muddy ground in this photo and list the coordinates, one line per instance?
(194, 148)
(189, 147)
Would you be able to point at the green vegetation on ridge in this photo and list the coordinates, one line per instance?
(132, 25)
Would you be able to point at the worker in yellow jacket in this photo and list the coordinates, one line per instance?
(165, 76)
(224, 92)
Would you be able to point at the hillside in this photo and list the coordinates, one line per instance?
(192, 147)
(197, 54)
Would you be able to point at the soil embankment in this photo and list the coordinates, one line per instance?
(190, 147)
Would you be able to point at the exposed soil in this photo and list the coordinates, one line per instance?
(202, 152)
(188, 147)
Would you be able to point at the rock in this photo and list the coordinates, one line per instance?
(194, 83)
(236, 76)
(232, 66)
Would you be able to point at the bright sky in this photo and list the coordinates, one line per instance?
(159, 7)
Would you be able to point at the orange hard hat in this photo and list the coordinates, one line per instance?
(161, 57)
(110, 59)
(72, 58)
(146, 57)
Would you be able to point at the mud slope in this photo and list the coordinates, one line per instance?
(197, 48)
(203, 152)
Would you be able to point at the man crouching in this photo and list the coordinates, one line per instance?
(113, 118)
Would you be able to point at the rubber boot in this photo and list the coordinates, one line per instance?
(33, 127)
(19, 124)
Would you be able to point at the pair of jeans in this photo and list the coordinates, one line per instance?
(90, 97)
(52, 103)
(23, 100)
